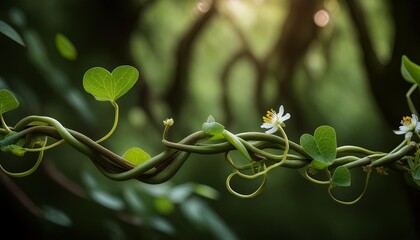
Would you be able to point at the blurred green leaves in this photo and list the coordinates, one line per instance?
(56, 216)
(65, 47)
(9, 32)
(155, 205)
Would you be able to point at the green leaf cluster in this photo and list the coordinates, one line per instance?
(322, 146)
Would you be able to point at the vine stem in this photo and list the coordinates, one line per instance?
(61, 130)
(311, 179)
(4, 125)
(255, 193)
(32, 169)
(408, 97)
(114, 126)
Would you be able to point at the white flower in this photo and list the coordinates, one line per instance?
(409, 125)
(274, 121)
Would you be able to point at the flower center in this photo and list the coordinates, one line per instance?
(406, 120)
(270, 117)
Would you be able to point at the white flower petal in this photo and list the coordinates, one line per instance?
(417, 129)
(267, 125)
(273, 130)
(400, 132)
(408, 135)
(281, 110)
(405, 128)
(285, 117)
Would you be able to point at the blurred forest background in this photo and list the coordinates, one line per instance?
(327, 61)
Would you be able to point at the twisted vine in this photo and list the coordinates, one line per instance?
(263, 152)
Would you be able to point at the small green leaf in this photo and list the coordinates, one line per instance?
(234, 140)
(416, 173)
(415, 168)
(8, 101)
(8, 31)
(16, 148)
(106, 86)
(322, 147)
(136, 156)
(409, 70)
(65, 47)
(213, 128)
(341, 177)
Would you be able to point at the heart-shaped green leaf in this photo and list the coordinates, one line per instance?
(322, 147)
(136, 156)
(106, 86)
(341, 177)
(409, 70)
(8, 101)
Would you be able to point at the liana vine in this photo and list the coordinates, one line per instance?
(262, 151)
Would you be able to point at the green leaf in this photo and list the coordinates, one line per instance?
(136, 156)
(8, 101)
(164, 205)
(212, 128)
(409, 70)
(7, 30)
(322, 147)
(416, 173)
(415, 169)
(65, 47)
(107, 199)
(341, 177)
(16, 148)
(56, 216)
(106, 86)
(234, 140)
(206, 191)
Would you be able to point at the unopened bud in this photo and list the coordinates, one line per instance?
(168, 122)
